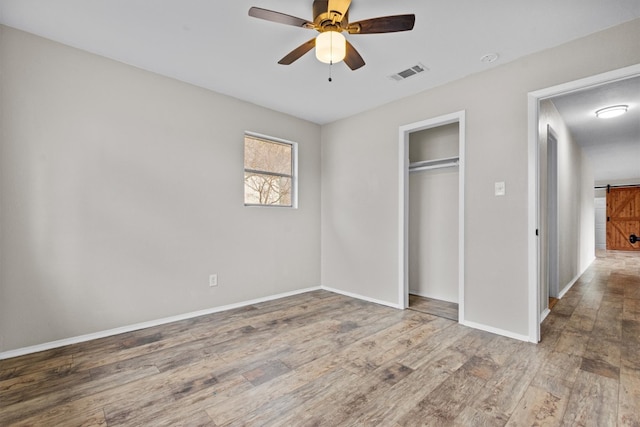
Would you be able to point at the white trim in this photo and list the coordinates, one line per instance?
(566, 289)
(403, 203)
(533, 196)
(496, 331)
(544, 314)
(574, 280)
(403, 219)
(552, 233)
(461, 213)
(130, 328)
(362, 297)
(533, 247)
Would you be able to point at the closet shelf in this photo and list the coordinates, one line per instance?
(424, 165)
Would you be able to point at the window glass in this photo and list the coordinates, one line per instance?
(268, 172)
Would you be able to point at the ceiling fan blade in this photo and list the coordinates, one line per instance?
(296, 53)
(281, 18)
(384, 24)
(353, 58)
(339, 6)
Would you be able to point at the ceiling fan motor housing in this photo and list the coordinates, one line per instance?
(326, 20)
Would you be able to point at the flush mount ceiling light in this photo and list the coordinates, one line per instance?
(613, 111)
(331, 47)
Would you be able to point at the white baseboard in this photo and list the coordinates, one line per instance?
(473, 325)
(496, 331)
(361, 297)
(574, 280)
(568, 287)
(544, 314)
(129, 328)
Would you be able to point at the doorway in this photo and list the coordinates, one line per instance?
(537, 251)
(432, 175)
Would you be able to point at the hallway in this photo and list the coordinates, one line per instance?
(595, 335)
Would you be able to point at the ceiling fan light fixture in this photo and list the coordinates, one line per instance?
(613, 111)
(331, 47)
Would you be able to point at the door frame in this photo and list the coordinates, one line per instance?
(533, 174)
(403, 249)
(553, 242)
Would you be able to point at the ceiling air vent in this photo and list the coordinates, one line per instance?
(411, 71)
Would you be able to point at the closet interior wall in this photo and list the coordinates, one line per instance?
(433, 212)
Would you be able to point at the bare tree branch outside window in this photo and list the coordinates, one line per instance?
(268, 172)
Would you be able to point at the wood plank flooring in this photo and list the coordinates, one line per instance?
(448, 310)
(321, 359)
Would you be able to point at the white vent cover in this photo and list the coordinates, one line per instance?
(411, 71)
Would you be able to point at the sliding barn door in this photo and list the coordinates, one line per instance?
(623, 218)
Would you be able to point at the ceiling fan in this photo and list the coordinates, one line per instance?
(330, 19)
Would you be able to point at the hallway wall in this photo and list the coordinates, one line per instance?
(576, 211)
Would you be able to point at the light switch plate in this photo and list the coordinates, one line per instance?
(500, 189)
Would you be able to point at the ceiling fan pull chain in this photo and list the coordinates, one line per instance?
(330, 60)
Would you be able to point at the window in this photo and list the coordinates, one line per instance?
(269, 171)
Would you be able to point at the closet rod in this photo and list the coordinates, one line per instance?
(434, 166)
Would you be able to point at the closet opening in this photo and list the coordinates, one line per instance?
(432, 216)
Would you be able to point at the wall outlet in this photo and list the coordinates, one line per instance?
(500, 189)
(213, 280)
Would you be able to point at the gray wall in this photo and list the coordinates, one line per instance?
(360, 212)
(121, 191)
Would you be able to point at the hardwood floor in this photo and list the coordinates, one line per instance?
(448, 310)
(325, 359)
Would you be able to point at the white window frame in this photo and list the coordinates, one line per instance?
(294, 170)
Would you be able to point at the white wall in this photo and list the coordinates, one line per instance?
(434, 143)
(360, 234)
(122, 190)
(433, 215)
(586, 213)
(600, 205)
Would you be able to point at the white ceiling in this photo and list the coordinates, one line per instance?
(613, 145)
(216, 45)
